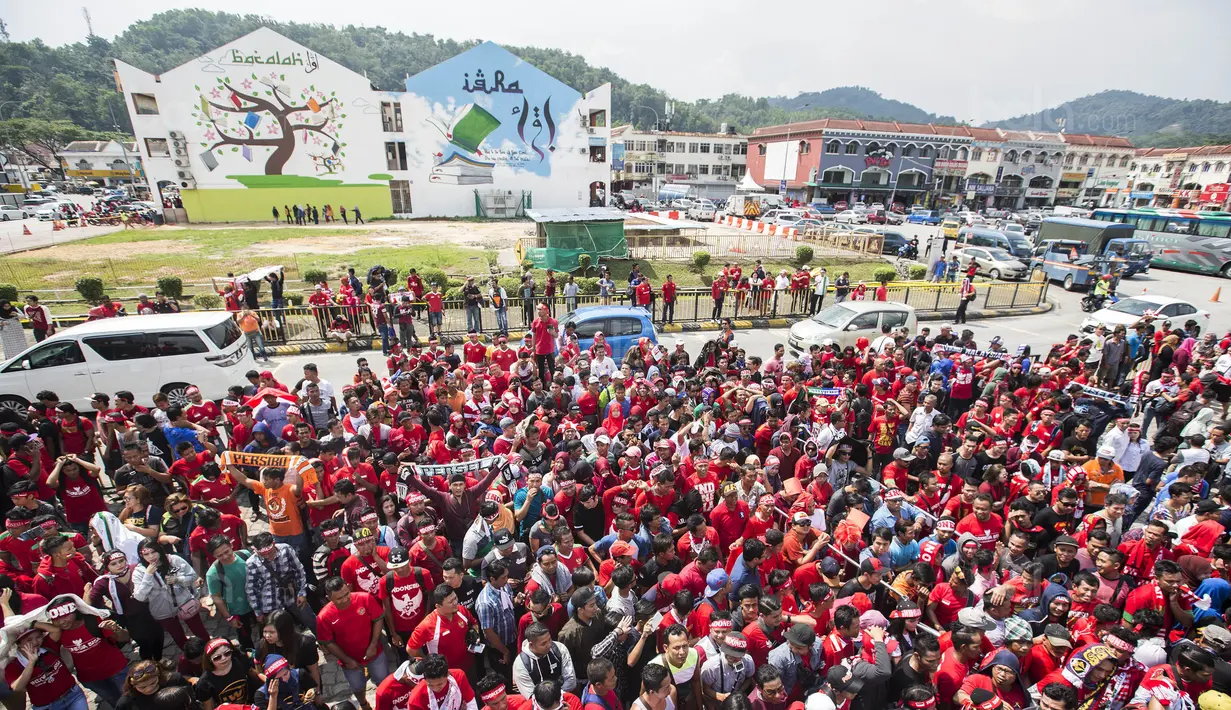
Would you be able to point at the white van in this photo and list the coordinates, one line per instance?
(141, 354)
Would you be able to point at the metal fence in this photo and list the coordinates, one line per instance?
(310, 324)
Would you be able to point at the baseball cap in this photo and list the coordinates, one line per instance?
(1106, 452)
(801, 635)
(843, 679)
(1017, 629)
(715, 581)
(1066, 540)
(975, 619)
(581, 597)
(1055, 455)
(734, 644)
(1058, 635)
(503, 539)
(829, 570)
(398, 558)
(619, 548)
(870, 566)
(903, 454)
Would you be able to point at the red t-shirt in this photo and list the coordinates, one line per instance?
(435, 302)
(669, 291)
(349, 628)
(94, 658)
(1038, 663)
(951, 674)
(947, 603)
(196, 413)
(74, 441)
(446, 637)
(474, 352)
(48, 684)
(407, 595)
(1147, 596)
(504, 357)
(228, 526)
(420, 698)
(81, 499)
(203, 489)
(543, 342)
(362, 573)
(987, 533)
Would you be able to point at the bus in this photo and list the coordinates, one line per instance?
(1182, 239)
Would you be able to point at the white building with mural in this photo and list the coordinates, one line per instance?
(264, 122)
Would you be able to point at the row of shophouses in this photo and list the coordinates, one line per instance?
(833, 160)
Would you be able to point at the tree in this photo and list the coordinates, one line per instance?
(267, 117)
(40, 140)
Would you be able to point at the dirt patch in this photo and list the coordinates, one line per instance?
(83, 252)
(489, 235)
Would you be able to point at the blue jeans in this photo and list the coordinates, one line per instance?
(109, 689)
(474, 319)
(377, 668)
(386, 333)
(257, 340)
(72, 700)
(502, 320)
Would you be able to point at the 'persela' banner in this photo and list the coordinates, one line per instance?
(444, 470)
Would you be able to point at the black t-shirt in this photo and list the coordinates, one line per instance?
(1051, 566)
(853, 587)
(649, 573)
(133, 700)
(905, 676)
(1079, 447)
(591, 521)
(307, 655)
(983, 459)
(1053, 524)
(235, 686)
(468, 592)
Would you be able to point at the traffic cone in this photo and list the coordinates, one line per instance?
(56, 226)
(25, 231)
(1217, 292)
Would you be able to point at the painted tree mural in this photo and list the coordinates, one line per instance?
(261, 113)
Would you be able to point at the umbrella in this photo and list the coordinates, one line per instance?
(264, 392)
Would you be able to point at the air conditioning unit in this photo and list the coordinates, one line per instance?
(181, 162)
(177, 136)
(184, 174)
(179, 148)
(589, 129)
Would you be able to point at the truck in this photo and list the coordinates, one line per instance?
(751, 205)
(1110, 241)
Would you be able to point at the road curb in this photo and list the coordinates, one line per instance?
(364, 344)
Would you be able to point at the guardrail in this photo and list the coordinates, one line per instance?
(311, 324)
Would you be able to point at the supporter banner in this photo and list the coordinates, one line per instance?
(1109, 396)
(296, 466)
(988, 354)
(444, 470)
(827, 392)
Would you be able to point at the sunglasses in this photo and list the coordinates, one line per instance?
(220, 656)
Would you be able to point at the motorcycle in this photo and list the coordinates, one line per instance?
(909, 251)
(1093, 302)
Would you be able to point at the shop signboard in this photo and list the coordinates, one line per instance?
(1038, 192)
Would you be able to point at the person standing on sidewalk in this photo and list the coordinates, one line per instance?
(644, 294)
(349, 627)
(358, 215)
(41, 321)
(250, 323)
(820, 284)
(500, 303)
(435, 311)
(966, 294)
(669, 300)
(473, 298)
(543, 330)
(718, 291)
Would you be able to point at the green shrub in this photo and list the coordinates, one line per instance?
(918, 271)
(8, 292)
(431, 276)
(207, 301)
(315, 276)
(584, 262)
(884, 273)
(453, 293)
(511, 286)
(588, 286)
(700, 259)
(90, 288)
(171, 286)
(295, 299)
(527, 264)
(803, 254)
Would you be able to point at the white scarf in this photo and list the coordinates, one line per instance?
(560, 583)
(15, 626)
(453, 697)
(117, 537)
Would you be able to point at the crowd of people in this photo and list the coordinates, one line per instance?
(913, 522)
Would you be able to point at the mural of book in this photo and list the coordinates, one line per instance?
(470, 126)
(457, 169)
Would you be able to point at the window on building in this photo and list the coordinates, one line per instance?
(992, 154)
(873, 147)
(833, 147)
(157, 148)
(1205, 167)
(695, 147)
(395, 155)
(1124, 161)
(1026, 156)
(662, 169)
(1068, 160)
(703, 169)
(891, 149)
(1085, 159)
(908, 151)
(1218, 167)
(743, 149)
(837, 177)
(805, 147)
(1192, 168)
(399, 193)
(963, 153)
(1133, 167)
(976, 154)
(598, 118)
(391, 116)
(737, 171)
(1041, 158)
(925, 151)
(726, 148)
(692, 169)
(705, 147)
(852, 148)
(145, 104)
(943, 154)
(760, 149)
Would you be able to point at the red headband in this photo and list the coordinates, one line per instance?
(215, 645)
(1118, 643)
(921, 704)
(493, 693)
(721, 624)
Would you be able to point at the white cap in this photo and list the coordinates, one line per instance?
(679, 341)
(618, 375)
(733, 344)
(1106, 452)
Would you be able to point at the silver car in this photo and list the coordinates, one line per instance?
(994, 262)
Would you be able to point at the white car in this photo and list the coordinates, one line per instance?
(703, 210)
(8, 212)
(775, 216)
(877, 206)
(1127, 311)
(851, 217)
(846, 322)
(996, 263)
(51, 210)
(141, 354)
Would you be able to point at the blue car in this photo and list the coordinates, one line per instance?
(621, 326)
(924, 217)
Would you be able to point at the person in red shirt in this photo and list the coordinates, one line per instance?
(718, 291)
(543, 330)
(730, 516)
(1048, 656)
(474, 352)
(503, 355)
(645, 294)
(957, 663)
(1162, 595)
(669, 300)
(444, 630)
(950, 597)
(349, 627)
(76, 432)
(76, 482)
(839, 644)
(766, 632)
(985, 525)
(63, 570)
(435, 310)
(364, 569)
(46, 680)
(211, 523)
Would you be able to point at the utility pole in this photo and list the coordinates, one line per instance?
(89, 23)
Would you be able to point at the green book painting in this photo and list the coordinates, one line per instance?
(471, 125)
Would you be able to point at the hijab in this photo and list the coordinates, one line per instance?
(7, 310)
(117, 537)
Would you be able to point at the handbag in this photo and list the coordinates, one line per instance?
(188, 609)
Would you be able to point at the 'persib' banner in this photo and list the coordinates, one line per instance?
(444, 470)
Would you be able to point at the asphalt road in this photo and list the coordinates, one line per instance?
(13, 239)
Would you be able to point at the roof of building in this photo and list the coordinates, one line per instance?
(1088, 139)
(626, 128)
(93, 146)
(576, 214)
(1190, 151)
(983, 134)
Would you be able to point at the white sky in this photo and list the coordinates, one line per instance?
(973, 59)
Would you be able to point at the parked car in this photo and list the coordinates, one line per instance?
(894, 241)
(993, 262)
(875, 216)
(788, 219)
(846, 322)
(1127, 311)
(918, 216)
(35, 200)
(877, 206)
(851, 217)
(809, 225)
(141, 354)
(8, 212)
(622, 326)
(703, 210)
(949, 227)
(840, 205)
(771, 217)
(51, 210)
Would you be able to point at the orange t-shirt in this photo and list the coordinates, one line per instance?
(1095, 473)
(283, 509)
